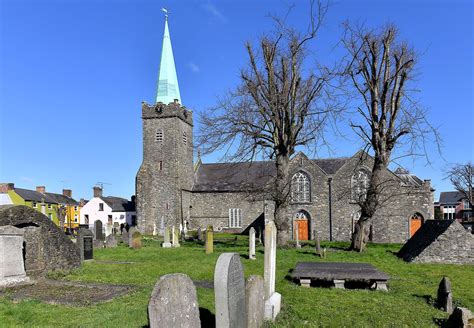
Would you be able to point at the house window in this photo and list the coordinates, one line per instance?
(300, 188)
(49, 206)
(465, 204)
(359, 185)
(86, 219)
(75, 208)
(159, 135)
(75, 218)
(185, 138)
(35, 205)
(50, 215)
(235, 218)
(101, 206)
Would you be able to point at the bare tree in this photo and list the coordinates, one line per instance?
(380, 69)
(277, 107)
(462, 178)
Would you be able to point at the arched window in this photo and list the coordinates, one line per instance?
(359, 185)
(159, 135)
(185, 138)
(300, 188)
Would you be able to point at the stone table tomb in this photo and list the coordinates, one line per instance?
(12, 267)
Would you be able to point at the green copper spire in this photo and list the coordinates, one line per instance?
(167, 90)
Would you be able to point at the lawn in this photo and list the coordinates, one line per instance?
(412, 288)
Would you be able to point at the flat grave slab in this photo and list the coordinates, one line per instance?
(339, 273)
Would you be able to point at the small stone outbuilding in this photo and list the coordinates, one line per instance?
(46, 247)
(440, 241)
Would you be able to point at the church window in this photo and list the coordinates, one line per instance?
(185, 138)
(359, 185)
(235, 218)
(159, 135)
(300, 188)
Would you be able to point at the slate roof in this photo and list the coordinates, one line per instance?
(33, 195)
(119, 204)
(427, 234)
(450, 197)
(61, 199)
(331, 165)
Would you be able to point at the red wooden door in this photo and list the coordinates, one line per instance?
(302, 226)
(415, 224)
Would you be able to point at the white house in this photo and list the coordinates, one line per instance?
(108, 210)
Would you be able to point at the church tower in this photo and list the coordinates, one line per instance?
(166, 171)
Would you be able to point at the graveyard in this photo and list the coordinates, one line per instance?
(133, 273)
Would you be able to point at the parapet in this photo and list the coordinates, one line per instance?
(160, 110)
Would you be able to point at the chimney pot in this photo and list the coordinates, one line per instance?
(4, 187)
(67, 193)
(41, 189)
(97, 191)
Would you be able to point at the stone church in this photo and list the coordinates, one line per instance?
(171, 189)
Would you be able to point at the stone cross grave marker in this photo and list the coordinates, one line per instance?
(86, 245)
(445, 295)
(272, 299)
(98, 230)
(255, 301)
(252, 244)
(166, 241)
(209, 240)
(12, 268)
(229, 290)
(174, 303)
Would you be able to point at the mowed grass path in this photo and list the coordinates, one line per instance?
(412, 286)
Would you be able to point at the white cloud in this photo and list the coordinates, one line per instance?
(210, 8)
(193, 67)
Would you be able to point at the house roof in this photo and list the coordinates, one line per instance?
(33, 195)
(119, 204)
(450, 197)
(62, 199)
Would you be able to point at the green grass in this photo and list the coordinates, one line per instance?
(406, 304)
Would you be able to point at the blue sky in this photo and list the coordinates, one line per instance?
(73, 75)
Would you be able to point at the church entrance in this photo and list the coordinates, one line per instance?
(301, 224)
(415, 223)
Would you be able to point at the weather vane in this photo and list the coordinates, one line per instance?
(166, 12)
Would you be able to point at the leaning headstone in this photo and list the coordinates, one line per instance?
(445, 296)
(199, 234)
(175, 237)
(272, 299)
(255, 301)
(125, 236)
(12, 268)
(111, 241)
(229, 290)
(166, 242)
(174, 303)
(136, 241)
(461, 317)
(98, 230)
(209, 240)
(85, 242)
(252, 243)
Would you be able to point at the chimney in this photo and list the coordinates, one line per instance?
(67, 193)
(4, 187)
(82, 202)
(97, 191)
(41, 189)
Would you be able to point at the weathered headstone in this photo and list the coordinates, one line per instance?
(445, 296)
(272, 299)
(12, 268)
(255, 301)
(125, 237)
(98, 243)
(98, 230)
(174, 303)
(155, 229)
(199, 234)
(130, 235)
(209, 240)
(175, 237)
(166, 242)
(111, 241)
(162, 225)
(229, 290)
(252, 243)
(136, 241)
(85, 242)
(318, 244)
(108, 229)
(461, 317)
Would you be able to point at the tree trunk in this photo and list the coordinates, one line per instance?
(280, 198)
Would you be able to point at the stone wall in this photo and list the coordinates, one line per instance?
(46, 246)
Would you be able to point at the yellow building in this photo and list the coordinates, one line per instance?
(68, 207)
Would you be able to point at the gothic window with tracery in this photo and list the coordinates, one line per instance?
(300, 188)
(359, 185)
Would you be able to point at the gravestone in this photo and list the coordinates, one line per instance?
(255, 301)
(175, 237)
(174, 303)
(116, 228)
(85, 242)
(229, 290)
(166, 242)
(209, 240)
(98, 243)
(111, 241)
(252, 244)
(137, 240)
(445, 296)
(108, 229)
(318, 244)
(461, 317)
(199, 234)
(125, 237)
(162, 225)
(98, 230)
(155, 229)
(12, 268)
(130, 235)
(272, 299)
